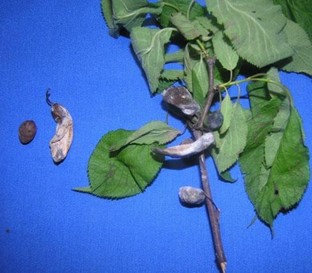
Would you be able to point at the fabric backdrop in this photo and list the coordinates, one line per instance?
(48, 228)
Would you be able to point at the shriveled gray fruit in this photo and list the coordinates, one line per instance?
(191, 196)
(181, 98)
(27, 131)
(62, 140)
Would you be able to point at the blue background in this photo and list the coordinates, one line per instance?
(46, 227)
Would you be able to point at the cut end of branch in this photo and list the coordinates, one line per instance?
(223, 267)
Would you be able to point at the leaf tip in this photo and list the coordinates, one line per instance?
(83, 189)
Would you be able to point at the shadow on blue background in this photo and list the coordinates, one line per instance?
(46, 227)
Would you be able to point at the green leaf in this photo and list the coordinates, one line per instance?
(251, 160)
(280, 121)
(127, 13)
(198, 93)
(275, 176)
(226, 111)
(201, 72)
(196, 74)
(274, 85)
(274, 138)
(232, 143)
(299, 12)
(190, 59)
(264, 109)
(121, 174)
(299, 41)
(107, 11)
(190, 30)
(226, 176)
(290, 170)
(285, 9)
(152, 132)
(224, 51)
(281, 186)
(209, 23)
(255, 29)
(168, 77)
(171, 75)
(148, 45)
(173, 57)
(183, 6)
(130, 14)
